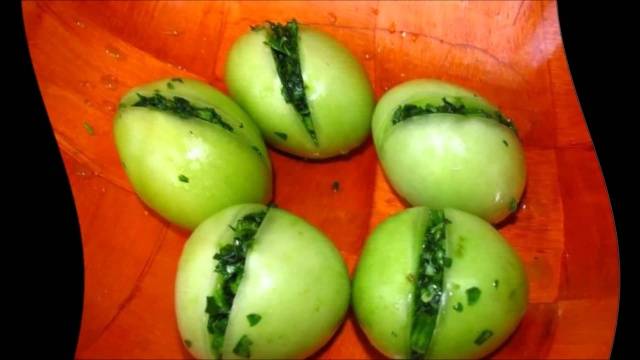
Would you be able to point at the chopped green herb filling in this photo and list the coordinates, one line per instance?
(230, 268)
(404, 112)
(183, 178)
(182, 108)
(429, 283)
(283, 41)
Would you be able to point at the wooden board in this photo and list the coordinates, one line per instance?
(88, 54)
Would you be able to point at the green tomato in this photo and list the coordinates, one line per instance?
(464, 160)
(468, 325)
(338, 92)
(294, 279)
(181, 166)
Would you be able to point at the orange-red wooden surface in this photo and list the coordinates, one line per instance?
(87, 54)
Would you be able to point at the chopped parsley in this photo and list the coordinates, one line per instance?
(187, 343)
(281, 135)
(505, 143)
(473, 295)
(88, 128)
(404, 112)
(183, 178)
(170, 86)
(182, 108)
(484, 336)
(283, 41)
(513, 205)
(230, 268)
(458, 307)
(243, 346)
(428, 291)
(254, 319)
(335, 186)
(177, 80)
(255, 148)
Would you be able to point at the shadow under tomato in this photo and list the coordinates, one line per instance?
(319, 354)
(185, 233)
(530, 339)
(371, 352)
(405, 203)
(338, 158)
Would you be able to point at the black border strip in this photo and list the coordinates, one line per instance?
(596, 50)
(49, 260)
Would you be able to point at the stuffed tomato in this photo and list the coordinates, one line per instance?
(441, 145)
(434, 284)
(190, 151)
(258, 282)
(307, 92)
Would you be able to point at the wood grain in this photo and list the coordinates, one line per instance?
(87, 54)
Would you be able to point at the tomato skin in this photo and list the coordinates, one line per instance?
(337, 88)
(469, 162)
(188, 169)
(383, 293)
(294, 278)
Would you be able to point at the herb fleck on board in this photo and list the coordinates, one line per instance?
(88, 128)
